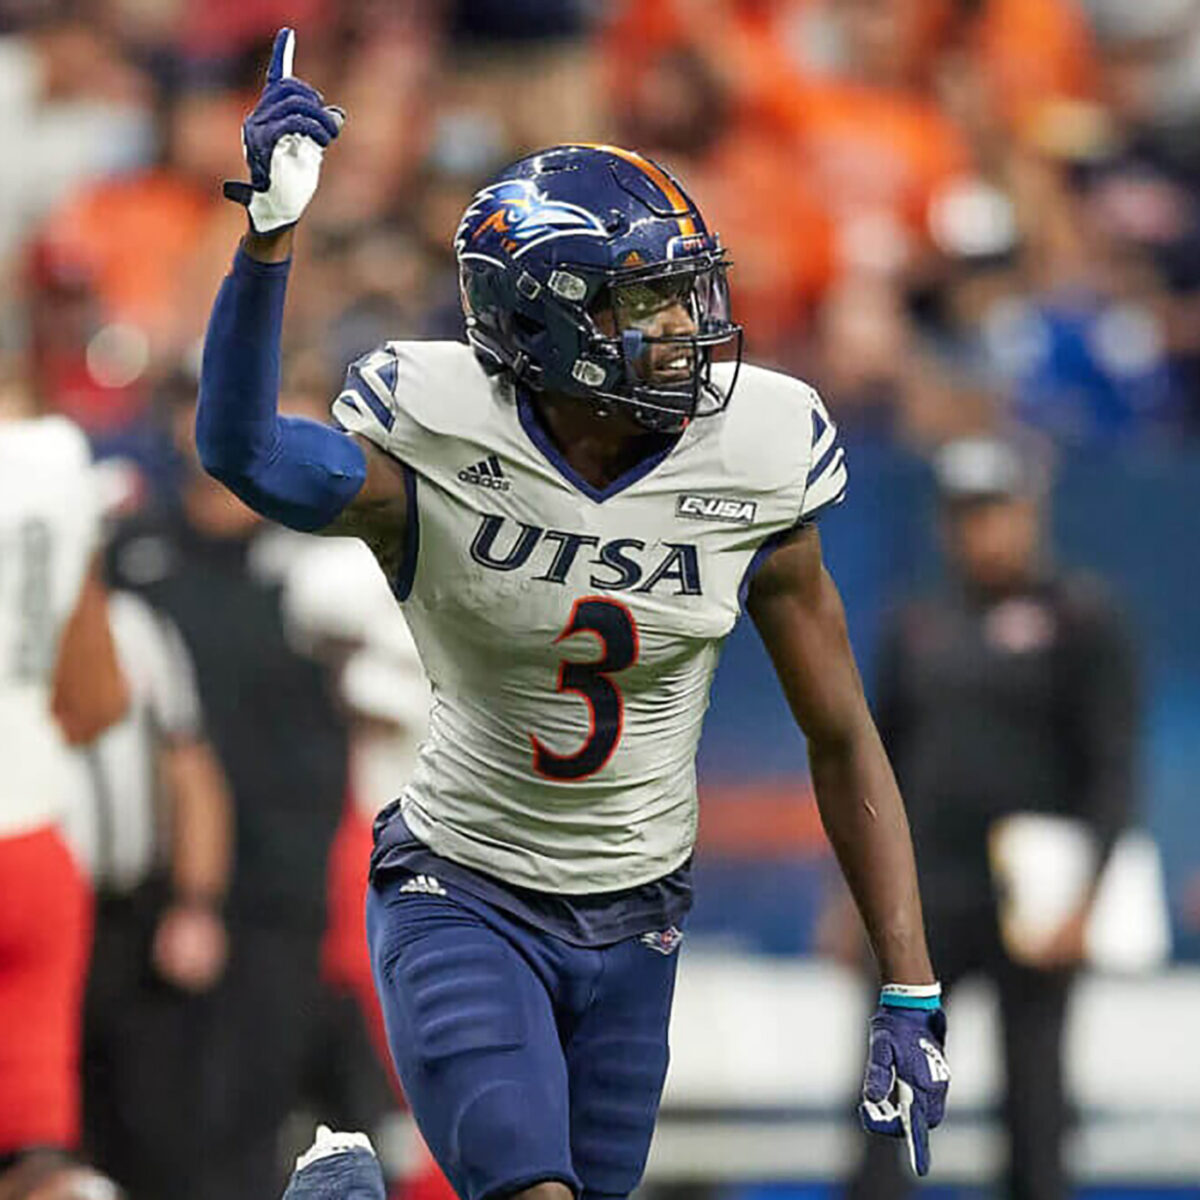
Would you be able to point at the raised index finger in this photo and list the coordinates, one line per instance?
(282, 54)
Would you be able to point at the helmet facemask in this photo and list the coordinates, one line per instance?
(654, 334)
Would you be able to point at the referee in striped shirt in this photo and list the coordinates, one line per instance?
(151, 819)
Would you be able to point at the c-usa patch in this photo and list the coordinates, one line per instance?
(715, 508)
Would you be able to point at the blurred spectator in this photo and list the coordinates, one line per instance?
(883, 379)
(525, 21)
(864, 134)
(526, 65)
(745, 177)
(870, 132)
(1084, 348)
(1142, 191)
(1032, 53)
(60, 684)
(747, 44)
(275, 724)
(861, 151)
(75, 108)
(160, 867)
(1009, 690)
(104, 229)
(384, 73)
(222, 28)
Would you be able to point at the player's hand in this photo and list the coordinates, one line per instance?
(1065, 948)
(904, 1089)
(284, 139)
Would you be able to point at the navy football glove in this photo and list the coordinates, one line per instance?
(284, 138)
(904, 1089)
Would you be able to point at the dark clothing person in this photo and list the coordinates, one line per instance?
(996, 704)
(146, 1045)
(269, 710)
(992, 703)
(228, 1066)
(150, 818)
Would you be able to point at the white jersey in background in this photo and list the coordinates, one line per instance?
(49, 522)
(570, 634)
(335, 597)
(116, 819)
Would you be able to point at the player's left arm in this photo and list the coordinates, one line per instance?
(796, 607)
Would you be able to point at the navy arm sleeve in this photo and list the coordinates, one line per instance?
(297, 472)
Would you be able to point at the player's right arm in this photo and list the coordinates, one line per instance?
(300, 473)
(88, 690)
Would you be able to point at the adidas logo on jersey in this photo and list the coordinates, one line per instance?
(425, 884)
(486, 473)
(715, 508)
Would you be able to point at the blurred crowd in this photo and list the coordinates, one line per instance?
(946, 213)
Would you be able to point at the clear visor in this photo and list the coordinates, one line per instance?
(669, 325)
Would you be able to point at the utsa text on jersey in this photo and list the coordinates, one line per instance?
(675, 562)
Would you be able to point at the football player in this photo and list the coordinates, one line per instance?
(59, 683)
(574, 508)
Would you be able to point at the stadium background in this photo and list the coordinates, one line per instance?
(950, 215)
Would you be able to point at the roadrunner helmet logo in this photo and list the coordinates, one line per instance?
(514, 216)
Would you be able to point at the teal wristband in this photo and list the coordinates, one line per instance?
(924, 997)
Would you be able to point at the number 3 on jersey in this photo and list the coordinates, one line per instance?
(613, 625)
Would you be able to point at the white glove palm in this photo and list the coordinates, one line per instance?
(284, 140)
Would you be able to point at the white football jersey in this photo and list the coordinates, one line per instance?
(49, 520)
(570, 634)
(334, 593)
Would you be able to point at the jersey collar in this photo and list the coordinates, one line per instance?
(537, 433)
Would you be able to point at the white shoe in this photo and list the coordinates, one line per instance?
(329, 1141)
(359, 1177)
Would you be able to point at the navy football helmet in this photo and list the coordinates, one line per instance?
(588, 271)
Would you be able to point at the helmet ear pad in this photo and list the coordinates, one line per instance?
(491, 309)
(543, 330)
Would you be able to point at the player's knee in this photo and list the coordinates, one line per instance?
(495, 1123)
(498, 1138)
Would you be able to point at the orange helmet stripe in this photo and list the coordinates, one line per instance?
(658, 176)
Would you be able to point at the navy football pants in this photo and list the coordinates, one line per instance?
(524, 1058)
